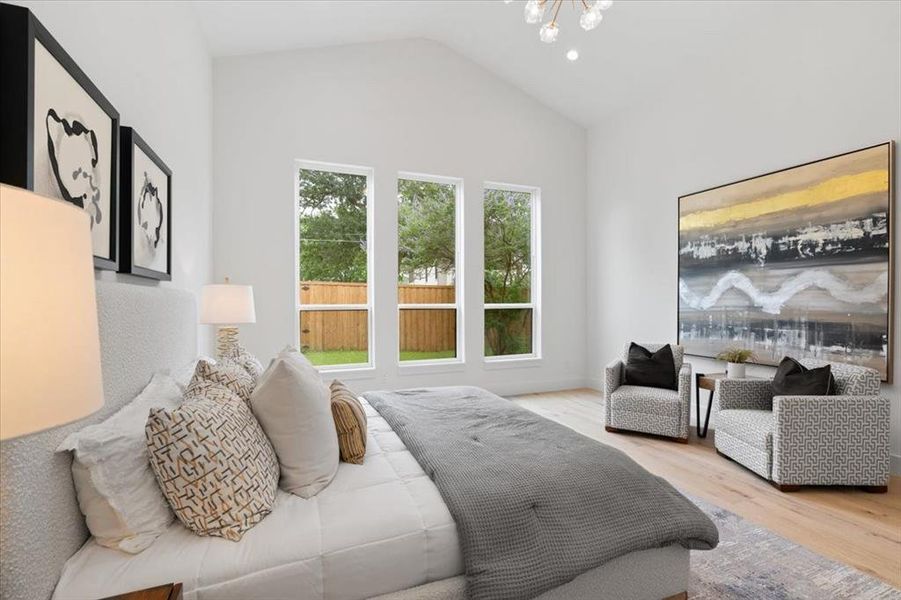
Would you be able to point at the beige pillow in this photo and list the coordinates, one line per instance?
(350, 423)
(239, 355)
(296, 358)
(213, 463)
(292, 404)
(226, 373)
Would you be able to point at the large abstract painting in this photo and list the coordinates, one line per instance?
(792, 263)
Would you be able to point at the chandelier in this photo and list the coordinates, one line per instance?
(591, 15)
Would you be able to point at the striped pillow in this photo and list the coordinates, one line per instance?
(350, 422)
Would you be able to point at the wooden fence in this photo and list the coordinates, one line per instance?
(421, 330)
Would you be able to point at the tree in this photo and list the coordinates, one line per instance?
(426, 219)
(508, 241)
(332, 222)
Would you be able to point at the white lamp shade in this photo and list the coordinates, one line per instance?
(227, 304)
(49, 340)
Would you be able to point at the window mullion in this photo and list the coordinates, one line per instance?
(334, 307)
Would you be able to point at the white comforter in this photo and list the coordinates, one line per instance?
(377, 528)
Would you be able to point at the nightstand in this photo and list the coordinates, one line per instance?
(170, 591)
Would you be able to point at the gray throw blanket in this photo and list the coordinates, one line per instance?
(536, 504)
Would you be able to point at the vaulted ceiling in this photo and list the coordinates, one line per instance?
(641, 51)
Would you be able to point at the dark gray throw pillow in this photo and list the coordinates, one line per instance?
(651, 369)
(794, 379)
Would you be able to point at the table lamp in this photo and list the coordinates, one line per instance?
(49, 339)
(226, 305)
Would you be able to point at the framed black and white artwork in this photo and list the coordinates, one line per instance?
(60, 134)
(145, 194)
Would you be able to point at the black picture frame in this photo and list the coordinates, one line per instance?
(128, 141)
(19, 31)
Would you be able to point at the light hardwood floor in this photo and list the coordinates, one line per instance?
(845, 524)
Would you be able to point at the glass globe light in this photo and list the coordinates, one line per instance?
(548, 32)
(591, 18)
(604, 4)
(534, 11)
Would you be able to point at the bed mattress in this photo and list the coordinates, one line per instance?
(378, 528)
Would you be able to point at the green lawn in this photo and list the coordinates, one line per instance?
(409, 355)
(336, 357)
(351, 357)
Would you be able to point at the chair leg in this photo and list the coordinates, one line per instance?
(875, 489)
(680, 440)
(611, 429)
(786, 487)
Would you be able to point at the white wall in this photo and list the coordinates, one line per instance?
(150, 61)
(396, 106)
(835, 87)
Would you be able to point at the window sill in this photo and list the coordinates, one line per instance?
(348, 372)
(417, 367)
(512, 362)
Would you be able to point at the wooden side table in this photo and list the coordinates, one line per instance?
(170, 591)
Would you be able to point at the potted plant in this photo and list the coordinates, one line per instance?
(735, 361)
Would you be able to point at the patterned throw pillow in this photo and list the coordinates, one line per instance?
(213, 463)
(225, 373)
(350, 422)
(239, 354)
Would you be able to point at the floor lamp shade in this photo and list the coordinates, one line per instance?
(49, 340)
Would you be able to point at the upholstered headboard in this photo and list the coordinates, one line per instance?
(143, 329)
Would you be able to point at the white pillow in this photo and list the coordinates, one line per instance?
(293, 406)
(117, 491)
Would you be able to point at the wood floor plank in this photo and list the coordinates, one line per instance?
(845, 524)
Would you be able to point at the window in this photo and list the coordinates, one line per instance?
(512, 290)
(334, 264)
(428, 250)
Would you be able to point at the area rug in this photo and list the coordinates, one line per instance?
(753, 563)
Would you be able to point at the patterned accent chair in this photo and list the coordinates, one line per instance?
(648, 409)
(808, 440)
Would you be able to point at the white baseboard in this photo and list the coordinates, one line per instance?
(595, 383)
(512, 388)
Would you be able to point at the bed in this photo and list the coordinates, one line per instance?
(380, 529)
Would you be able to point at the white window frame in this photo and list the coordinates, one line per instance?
(460, 358)
(369, 307)
(535, 280)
